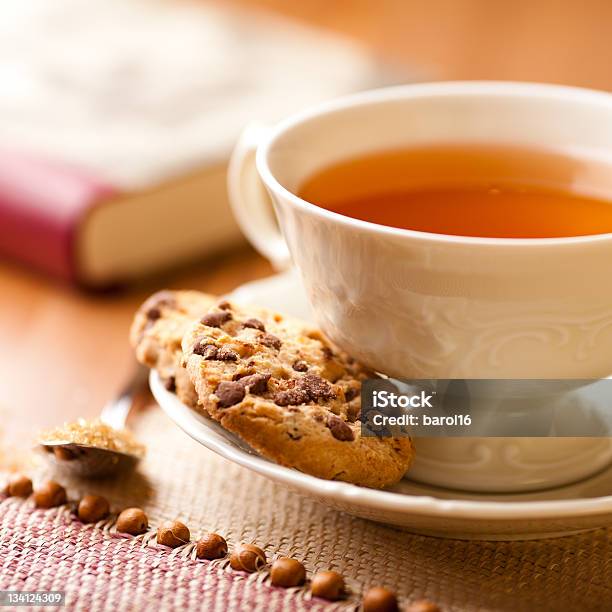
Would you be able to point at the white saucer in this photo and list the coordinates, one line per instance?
(416, 507)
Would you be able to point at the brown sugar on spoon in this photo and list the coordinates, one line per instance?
(91, 433)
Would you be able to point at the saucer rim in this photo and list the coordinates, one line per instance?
(195, 425)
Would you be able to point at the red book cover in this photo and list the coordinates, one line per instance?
(42, 203)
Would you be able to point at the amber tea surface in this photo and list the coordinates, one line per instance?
(470, 190)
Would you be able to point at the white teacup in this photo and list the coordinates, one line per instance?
(422, 305)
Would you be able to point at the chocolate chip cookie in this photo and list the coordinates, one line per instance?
(157, 331)
(283, 388)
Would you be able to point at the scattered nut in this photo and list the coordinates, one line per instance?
(93, 508)
(287, 572)
(19, 486)
(423, 605)
(211, 546)
(247, 558)
(328, 585)
(380, 599)
(50, 495)
(173, 534)
(132, 521)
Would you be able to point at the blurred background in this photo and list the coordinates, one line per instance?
(117, 118)
(565, 41)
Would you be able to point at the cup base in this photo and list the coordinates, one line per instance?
(507, 465)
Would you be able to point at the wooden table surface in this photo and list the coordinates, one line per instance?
(64, 353)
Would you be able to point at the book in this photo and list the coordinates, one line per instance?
(69, 223)
(117, 119)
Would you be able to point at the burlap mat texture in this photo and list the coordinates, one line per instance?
(101, 570)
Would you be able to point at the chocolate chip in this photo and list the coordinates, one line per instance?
(255, 324)
(270, 341)
(291, 397)
(224, 305)
(352, 413)
(327, 353)
(225, 353)
(216, 319)
(300, 366)
(230, 393)
(154, 313)
(350, 393)
(339, 429)
(153, 305)
(257, 383)
(308, 388)
(317, 387)
(170, 384)
(210, 352)
(205, 349)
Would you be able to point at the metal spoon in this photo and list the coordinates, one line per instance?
(88, 461)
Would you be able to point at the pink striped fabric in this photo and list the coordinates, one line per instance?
(99, 570)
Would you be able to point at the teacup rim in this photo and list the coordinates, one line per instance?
(475, 87)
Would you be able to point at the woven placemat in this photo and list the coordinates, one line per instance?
(100, 570)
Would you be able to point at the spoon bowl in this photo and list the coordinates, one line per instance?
(87, 461)
(95, 461)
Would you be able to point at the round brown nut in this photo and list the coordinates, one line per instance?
(287, 572)
(93, 508)
(423, 605)
(173, 534)
(50, 495)
(211, 546)
(132, 521)
(380, 599)
(19, 486)
(328, 585)
(247, 558)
